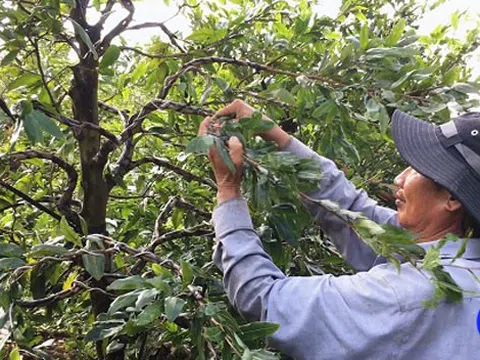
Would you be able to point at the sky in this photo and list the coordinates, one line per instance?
(157, 11)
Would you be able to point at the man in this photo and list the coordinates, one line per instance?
(377, 313)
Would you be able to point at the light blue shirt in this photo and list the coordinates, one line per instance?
(377, 313)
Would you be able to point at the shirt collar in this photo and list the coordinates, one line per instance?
(450, 249)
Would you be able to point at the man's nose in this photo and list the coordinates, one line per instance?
(400, 178)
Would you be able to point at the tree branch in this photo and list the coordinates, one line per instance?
(77, 126)
(170, 80)
(30, 200)
(6, 110)
(157, 232)
(106, 12)
(29, 304)
(190, 207)
(145, 255)
(117, 30)
(167, 165)
(111, 109)
(198, 230)
(136, 121)
(64, 202)
(42, 74)
(154, 56)
(161, 25)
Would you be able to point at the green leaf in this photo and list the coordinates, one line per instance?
(123, 301)
(396, 33)
(364, 36)
(324, 109)
(94, 264)
(14, 354)
(262, 354)
(98, 333)
(129, 283)
(214, 334)
(35, 122)
(461, 250)
(254, 125)
(465, 88)
(32, 128)
(69, 233)
(446, 284)
(173, 307)
(9, 57)
(284, 95)
(47, 124)
(47, 250)
(200, 145)
(10, 250)
(187, 273)
(160, 284)
(207, 35)
(11, 263)
(146, 297)
(455, 18)
(257, 330)
(151, 313)
(139, 71)
(68, 283)
(380, 53)
(86, 39)
(26, 79)
(383, 119)
(111, 55)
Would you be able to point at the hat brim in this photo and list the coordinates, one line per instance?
(418, 144)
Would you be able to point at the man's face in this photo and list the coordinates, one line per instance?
(418, 199)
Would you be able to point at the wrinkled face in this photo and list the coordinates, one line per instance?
(419, 200)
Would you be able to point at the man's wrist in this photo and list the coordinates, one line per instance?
(225, 194)
(277, 135)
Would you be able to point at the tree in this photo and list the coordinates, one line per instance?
(105, 241)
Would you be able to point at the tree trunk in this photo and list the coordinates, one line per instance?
(84, 94)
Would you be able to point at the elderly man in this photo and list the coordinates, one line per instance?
(377, 313)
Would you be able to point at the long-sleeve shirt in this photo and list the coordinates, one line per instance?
(378, 313)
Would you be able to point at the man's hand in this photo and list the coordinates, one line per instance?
(228, 183)
(241, 109)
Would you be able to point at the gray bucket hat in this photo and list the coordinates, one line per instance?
(449, 154)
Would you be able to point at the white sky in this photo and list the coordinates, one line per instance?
(156, 11)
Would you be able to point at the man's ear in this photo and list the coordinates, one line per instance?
(452, 204)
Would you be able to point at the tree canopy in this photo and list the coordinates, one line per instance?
(105, 239)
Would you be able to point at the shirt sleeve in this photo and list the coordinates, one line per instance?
(320, 316)
(335, 187)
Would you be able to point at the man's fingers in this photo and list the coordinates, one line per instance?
(231, 108)
(236, 150)
(203, 129)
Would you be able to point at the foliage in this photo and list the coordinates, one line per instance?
(104, 241)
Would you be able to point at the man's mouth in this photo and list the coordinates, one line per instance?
(399, 199)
